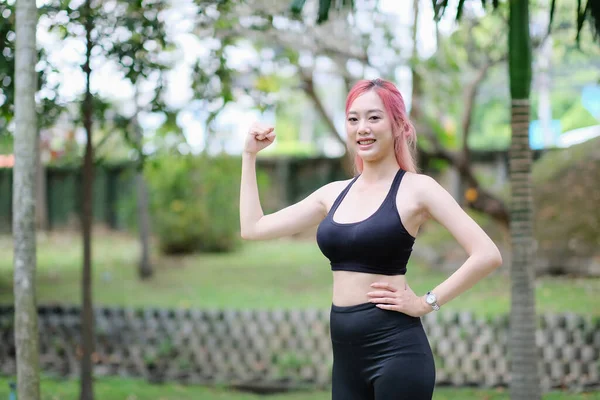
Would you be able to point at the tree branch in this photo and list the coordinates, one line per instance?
(469, 98)
(309, 89)
(484, 202)
(315, 41)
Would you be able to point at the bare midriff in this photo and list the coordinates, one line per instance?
(351, 288)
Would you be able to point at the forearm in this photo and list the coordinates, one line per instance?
(475, 268)
(250, 209)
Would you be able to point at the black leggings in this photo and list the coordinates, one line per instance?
(379, 355)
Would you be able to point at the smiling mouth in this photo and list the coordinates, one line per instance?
(366, 141)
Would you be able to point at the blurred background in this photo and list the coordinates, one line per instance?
(183, 308)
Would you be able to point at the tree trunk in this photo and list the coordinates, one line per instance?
(25, 142)
(145, 267)
(87, 314)
(41, 207)
(524, 382)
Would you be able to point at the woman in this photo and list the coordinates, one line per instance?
(367, 227)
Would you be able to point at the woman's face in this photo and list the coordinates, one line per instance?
(369, 127)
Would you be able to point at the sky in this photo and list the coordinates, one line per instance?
(67, 56)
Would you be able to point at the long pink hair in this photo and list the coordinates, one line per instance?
(403, 131)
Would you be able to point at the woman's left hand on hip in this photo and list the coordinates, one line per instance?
(388, 297)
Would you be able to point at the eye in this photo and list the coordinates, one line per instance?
(375, 118)
(352, 119)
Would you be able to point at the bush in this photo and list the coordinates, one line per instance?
(195, 202)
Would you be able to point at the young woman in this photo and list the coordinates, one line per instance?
(367, 227)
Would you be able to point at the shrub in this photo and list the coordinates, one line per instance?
(195, 202)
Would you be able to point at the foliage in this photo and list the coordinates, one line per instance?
(573, 213)
(7, 63)
(194, 201)
(491, 125)
(577, 117)
(585, 11)
(48, 108)
(289, 123)
(130, 35)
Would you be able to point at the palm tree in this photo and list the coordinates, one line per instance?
(26, 321)
(524, 383)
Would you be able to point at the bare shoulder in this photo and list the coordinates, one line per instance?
(431, 197)
(329, 192)
(334, 188)
(424, 191)
(420, 184)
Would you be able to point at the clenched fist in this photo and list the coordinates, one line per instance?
(259, 136)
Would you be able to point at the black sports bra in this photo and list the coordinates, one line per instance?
(377, 245)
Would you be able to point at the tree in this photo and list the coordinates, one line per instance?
(524, 382)
(118, 31)
(87, 311)
(138, 58)
(456, 70)
(48, 107)
(26, 319)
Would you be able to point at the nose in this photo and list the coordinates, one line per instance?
(363, 129)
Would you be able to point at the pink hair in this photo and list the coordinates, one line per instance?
(405, 137)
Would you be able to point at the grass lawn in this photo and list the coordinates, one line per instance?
(273, 274)
(129, 389)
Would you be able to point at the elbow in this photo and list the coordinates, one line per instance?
(246, 235)
(489, 259)
(498, 261)
(251, 231)
(495, 258)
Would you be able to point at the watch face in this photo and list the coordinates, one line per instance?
(430, 298)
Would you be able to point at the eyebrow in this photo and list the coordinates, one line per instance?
(370, 111)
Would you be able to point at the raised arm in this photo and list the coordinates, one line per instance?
(288, 221)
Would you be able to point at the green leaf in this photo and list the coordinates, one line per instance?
(324, 6)
(459, 9)
(552, 8)
(297, 6)
(439, 7)
(591, 11)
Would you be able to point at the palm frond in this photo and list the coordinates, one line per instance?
(580, 16)
(297, 6)
(552, 8)
(591, 13)
(459, 9)
(439, 7)
(324, 6)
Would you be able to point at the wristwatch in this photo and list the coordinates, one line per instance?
(431, 299)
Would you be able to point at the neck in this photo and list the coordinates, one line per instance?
(378, 170)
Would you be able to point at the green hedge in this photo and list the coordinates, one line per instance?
(195, 202)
